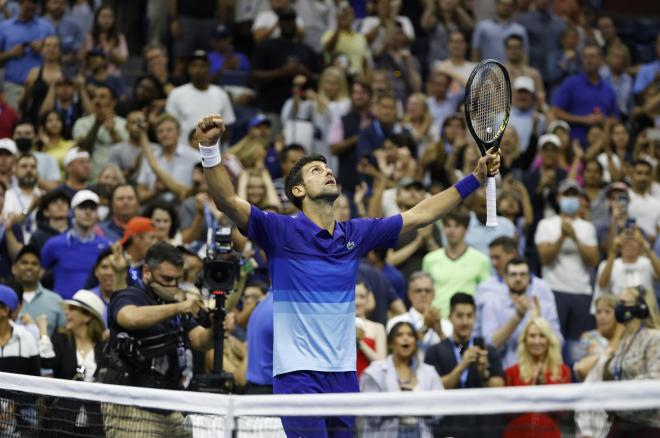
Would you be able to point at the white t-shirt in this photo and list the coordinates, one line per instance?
(626, 275)
(378, 44)
(268, 19)
(567, 273)
(188, 105)
(645, 209)
(602, 159)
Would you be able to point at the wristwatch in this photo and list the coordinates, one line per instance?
(24, 212)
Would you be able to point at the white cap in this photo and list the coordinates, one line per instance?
(9, 145)
(549, 138)
(524, 83)
(84, 196)
(558, 124)
(74, 154)
(89, 301)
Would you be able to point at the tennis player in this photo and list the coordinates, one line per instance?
(313, 263)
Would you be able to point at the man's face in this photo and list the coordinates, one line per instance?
(549, 156)
(105, 274)
(6, 161)
(607, 28)
(156, 60)
(439, 85)
(591, 59)
(165, 274)
(456, 45)
(85, 214)
(79, 169)
(318, 182)
(292, 157)
(504, 9)
(421, 293)
(462, 318)
(27, 9)
(408, 197)
(27, 270)
(133, 122)
(167, 134)
(142, 242)
(641, 178)
(523, 99)
(26, 172)
(454, 232)
(125, 203)
(515, 52)
(360, 97)
(198, 70)
(517, 278)
(24, 130)
(57, 209)
(386, 111)
(500, 257)
(103, 99)
(64, 91)
(56, 8)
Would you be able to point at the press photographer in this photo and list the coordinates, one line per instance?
(150, 329)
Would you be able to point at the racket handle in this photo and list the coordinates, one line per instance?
(491, 203)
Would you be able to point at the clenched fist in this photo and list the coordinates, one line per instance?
(209, 129)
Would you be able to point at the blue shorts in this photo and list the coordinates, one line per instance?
(317, 382)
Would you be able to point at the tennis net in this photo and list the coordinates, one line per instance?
(37, 406)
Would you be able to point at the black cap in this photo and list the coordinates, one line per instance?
(287, 14)
(28, 249)
(221, 31)
(199, 54)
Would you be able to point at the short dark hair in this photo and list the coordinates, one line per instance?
(295, 177)
(161, 252)
(119, 186)
(365, 85)
(49, 198)
(516, 261)
(395, 328)
(262, 285)
(170, 209)
(460, 215)
(385, 95)
(461, 298)
(22, 157)
(642, 162)
(507, 243)
(27, 249)
(597, 163)
(107, 252)
(291, 147)
(513, 36)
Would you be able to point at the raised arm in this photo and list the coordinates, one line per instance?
(221, 189)
(433, 208)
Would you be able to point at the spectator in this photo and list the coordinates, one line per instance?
(51, 131)
(98, 74)
(427, 319)
(608, 34)
(21, 41)
(370, 335)
(139, 236)
(82, 14)
(106, 38)
(176, 159)
(457, 64)
(400, 371)
(380, 28)
(343, 135)
(457, 267)
(155, 56)
(318, 16)
(127, 155)
(568, 248)
(124, 206)
(191, 24)
(439, 19)
(636, 358)
(52, 217)
(585, 99)
(267, 26)
(69, 32)
(71, 255)
(276, 61)
(97, 132)
(517, 162)
(648, 73)
(603, 340)
(256, 187)
(8, 117)
(515, 204)
(500, 251)
(478, 235)
(386, 301)
(193, 100)
(644, 207)
(36, 299)
(539, 363)
(77, 169)
(40, 78)
(528, 123)
(441, 103)
(568, 60)
(148, 98)
(107, 272)
(224, 57)
(463, 361)
(597, 193)
(420, 123)
(614, 72)
(165, 220)
(344, 41)
(48, 172)
(76, 353)
(544, 30)
(489, 35)
(110, 177)
(517, 66)
(373, 137)
(441, 161)
(631, 261)
(502, 316)
(23, 196)
(260, 348)
(69, 97)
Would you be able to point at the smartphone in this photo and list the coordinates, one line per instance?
(479, 342)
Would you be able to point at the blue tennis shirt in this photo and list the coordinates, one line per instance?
(313, 281)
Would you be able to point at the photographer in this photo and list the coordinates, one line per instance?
(150, 329)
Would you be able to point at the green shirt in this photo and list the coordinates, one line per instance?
(450, 276)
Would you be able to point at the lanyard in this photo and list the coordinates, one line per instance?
(28, 218)
(618, 370)
(212, 224)
(379, 130)
(457, 355)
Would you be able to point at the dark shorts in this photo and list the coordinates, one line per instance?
(317, 382)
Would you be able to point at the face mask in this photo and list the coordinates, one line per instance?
(169, 294)
(24, 144)
(569, 205)
(623, 313)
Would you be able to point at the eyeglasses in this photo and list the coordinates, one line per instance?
(422, 290)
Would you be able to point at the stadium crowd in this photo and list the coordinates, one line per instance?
(101, 189)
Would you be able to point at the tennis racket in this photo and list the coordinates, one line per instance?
(487, 107)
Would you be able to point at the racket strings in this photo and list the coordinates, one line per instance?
(488, 100)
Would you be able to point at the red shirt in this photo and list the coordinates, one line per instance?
(8, 119)
(534, 424)
(362, 360)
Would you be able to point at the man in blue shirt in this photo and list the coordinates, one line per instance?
(489, 35)
(648, 72)
(585, 99)
(72, 255)
(260, 348)
(71, 37)
(21, 39)
(313, 263)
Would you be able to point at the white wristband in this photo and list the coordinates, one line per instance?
(210, 155)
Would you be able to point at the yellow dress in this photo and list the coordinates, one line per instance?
(58, 151)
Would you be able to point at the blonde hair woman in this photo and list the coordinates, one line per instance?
(420, 122)
(332, 94)
(539, 363)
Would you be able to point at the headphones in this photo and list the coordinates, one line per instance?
(641, 309)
